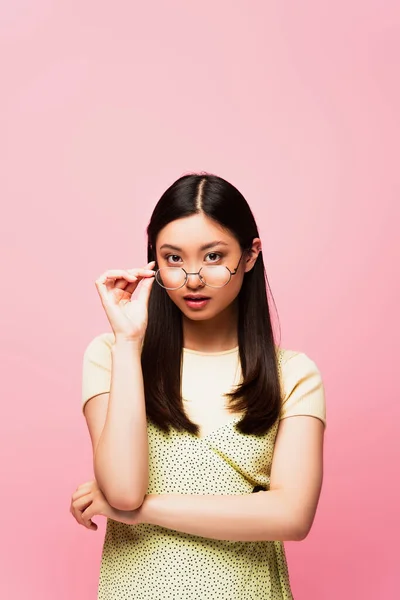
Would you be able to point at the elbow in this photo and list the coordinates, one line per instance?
(299, 535)
(301, 531)
(125, 503)
(121, 499)
(303, 522)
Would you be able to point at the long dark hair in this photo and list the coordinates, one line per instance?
(259, 394)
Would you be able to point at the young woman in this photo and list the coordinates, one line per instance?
(186, 403)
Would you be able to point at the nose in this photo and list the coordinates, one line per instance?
(194, 281)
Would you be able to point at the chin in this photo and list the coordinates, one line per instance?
(197, 316)
(201, 315)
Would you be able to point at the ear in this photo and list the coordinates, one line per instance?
(252, 254)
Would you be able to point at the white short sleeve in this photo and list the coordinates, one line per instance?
(96, 370)
(303, 389)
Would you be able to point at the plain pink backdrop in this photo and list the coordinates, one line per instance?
(102, 107)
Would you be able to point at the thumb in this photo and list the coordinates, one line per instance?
(144, 290)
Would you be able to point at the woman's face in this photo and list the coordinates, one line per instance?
(182, 243)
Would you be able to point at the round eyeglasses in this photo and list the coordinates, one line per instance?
(215, 276)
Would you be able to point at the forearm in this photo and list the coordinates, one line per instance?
(121, 457)
(261, 516)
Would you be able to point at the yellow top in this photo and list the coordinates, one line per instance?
(150, 562)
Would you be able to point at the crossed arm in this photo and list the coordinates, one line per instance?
(285, 512)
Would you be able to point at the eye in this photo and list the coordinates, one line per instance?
(217, 254)
(172, 256)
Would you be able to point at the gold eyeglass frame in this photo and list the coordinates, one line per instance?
(198, 273)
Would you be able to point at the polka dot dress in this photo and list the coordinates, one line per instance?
(149, 562)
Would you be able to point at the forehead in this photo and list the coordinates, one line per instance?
(192, 232)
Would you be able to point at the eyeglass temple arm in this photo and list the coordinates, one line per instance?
(235, 270)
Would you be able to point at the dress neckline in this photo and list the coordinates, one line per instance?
(230, 351)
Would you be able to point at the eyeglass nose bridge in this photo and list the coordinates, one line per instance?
(195, 273)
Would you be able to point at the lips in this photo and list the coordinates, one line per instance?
(196, 297)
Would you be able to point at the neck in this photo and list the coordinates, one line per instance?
(213, 335)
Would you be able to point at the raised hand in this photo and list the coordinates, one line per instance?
(128, 317)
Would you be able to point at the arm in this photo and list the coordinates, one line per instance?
(285, 512)
(121, 453)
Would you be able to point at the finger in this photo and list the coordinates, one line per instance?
(82, 501)
(82, 489)
(86, 522)
(123, 274)
(79, 510)
(107, 282)
(145, 289)
(77, 514)
(79, 493)
(147, 274)
(130, 282)
(87, 517)
(131, 287)
(86, 484)
(137, 271)
(144, 272)
(89, 524)
(121, 281)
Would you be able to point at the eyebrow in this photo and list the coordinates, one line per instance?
(204, 247)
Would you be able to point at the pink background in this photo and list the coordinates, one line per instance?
(102, 107)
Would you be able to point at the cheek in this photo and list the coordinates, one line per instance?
(228, 294)
(174, 297)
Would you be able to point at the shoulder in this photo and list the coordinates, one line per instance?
(301, 383)
(294, 362)
(98, 350)
(295, 368)
(97, 367)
